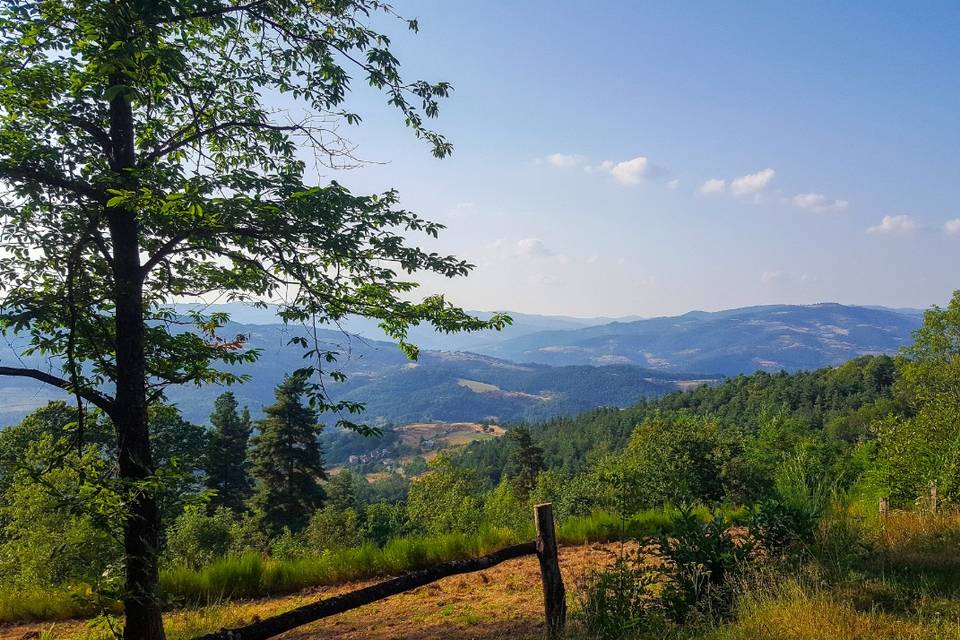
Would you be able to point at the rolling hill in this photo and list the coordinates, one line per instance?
(729, 342)
(447, 386)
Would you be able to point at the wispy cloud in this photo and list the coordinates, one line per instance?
(952, 227)
(819, 203)
(673, 184)
(525, 248)
(893, 225)
(713, 185)
(565, 160)
(782, 277)
(752, 183)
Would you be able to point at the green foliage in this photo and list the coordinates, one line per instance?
(287, 460)
(226, 465)
(445, 500)
(621, 600)
(196, 539)
(58, 523)
(525, 459)
(704, 556)
(923, 446)
(671, 461)
(330, 528)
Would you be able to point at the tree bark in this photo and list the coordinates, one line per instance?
(142, 529)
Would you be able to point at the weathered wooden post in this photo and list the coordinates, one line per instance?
(884, 508)
(933, 497)
(554, 595)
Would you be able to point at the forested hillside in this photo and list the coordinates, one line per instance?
(829, 404)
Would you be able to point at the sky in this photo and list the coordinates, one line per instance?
(628, 158)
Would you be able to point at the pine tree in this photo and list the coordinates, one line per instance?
(287, 460)
(227, 468)
(525, 460)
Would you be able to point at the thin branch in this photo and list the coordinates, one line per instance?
(51, 179)
(173, 146)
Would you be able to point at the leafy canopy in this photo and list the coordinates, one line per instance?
(236, 107)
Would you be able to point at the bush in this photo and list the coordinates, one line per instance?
(781, 527)
(196, 539)
(621, 600)
(704, 558)
(332, 529)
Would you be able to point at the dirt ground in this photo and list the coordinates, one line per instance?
(505, 601)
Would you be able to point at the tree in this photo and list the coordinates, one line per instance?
(525, 460)
(923, 445)
(226, 461)
(142, 163)
(446, 499)
(287, 462)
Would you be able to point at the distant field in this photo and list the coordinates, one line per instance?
(444, 436)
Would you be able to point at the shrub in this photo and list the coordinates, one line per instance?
(196, 539)
(621, 600)
(704, 558)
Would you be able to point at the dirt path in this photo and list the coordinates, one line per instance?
(502, 602)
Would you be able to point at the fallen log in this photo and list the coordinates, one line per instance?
(273, 626)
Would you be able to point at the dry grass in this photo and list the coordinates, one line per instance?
(908, 589)
(502, 602)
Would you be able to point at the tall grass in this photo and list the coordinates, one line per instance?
(252, 575)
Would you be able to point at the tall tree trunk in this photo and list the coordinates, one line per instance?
(142, 533)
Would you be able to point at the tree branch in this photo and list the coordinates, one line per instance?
(173, 146)
(51, 179)
(94, 397)
(212, 13)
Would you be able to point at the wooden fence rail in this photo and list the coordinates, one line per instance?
(545, 547)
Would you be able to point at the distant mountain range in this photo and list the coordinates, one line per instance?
(542, 365)
(442, 385)
(773, 337)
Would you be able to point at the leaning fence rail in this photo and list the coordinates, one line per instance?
(545, 548)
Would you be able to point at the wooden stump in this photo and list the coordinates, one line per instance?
(554, 595)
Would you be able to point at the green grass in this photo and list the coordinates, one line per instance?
(252, 575)
(37, 603)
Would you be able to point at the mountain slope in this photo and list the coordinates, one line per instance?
(728, 342)
(449, 386)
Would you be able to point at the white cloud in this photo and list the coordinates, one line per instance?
(952, 227)
(673, 184)
(526, 248)
(745, 185)
(531, 247)
(891, 225)
(465, 205)
(565, 160)
(714, 185)
(630, 171)
(819, 203)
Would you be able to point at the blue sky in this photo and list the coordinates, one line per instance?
(617, 158)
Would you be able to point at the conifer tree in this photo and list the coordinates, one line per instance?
(525, 460)
(227, 468)
(287, 460)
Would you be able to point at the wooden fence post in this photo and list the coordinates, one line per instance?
(884, 507)
(554, 595)
(933, 497)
